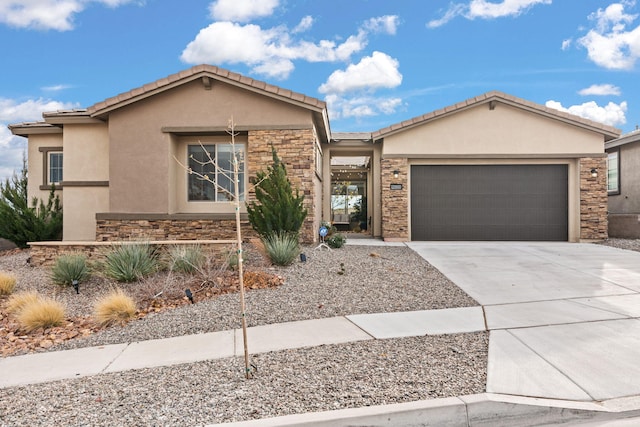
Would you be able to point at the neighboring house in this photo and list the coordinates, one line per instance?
(494, 167)
(623, 185)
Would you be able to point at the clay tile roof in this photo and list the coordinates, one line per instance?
(608, 131)
(210, 71)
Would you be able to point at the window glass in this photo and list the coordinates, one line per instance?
(613, 177)
(55, 168)
(218, 184)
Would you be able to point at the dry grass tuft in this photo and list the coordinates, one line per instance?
(17, 302)
(41, 313)
(7, 283)
(115, 307)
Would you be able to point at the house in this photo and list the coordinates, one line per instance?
(494, 167)
(623, 185)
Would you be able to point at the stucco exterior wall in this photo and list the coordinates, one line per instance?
(140, 146)
(505, 131)
(628, 201)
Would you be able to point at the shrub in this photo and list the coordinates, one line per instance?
(70, 267)
(7, 283)
(278, 208)
(336, 240)
(115, 307)
(17, 302)
(21, 221)
(186, 259)
(130, 262)
(41, 313)
(282, 248)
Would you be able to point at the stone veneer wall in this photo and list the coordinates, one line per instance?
(295, 149)
(395, 203)
(124, 228)
(593, 199)
(46, 253)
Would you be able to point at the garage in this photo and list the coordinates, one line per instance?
(489, 202)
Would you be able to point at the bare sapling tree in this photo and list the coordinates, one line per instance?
(234, 196)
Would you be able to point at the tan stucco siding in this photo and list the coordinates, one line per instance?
(80, 208)
(627, 201)
(86, 152)
(141, 152)
(505, 130)
(35, 164)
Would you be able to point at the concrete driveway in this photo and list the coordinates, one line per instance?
(563, 317)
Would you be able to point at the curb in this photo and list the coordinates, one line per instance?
(486, 409)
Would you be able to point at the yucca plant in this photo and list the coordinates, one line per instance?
(7, 283)
(130, 262)
(70, 267)
(186, 259)
(41, 313)
(115, 307)
(281, 247)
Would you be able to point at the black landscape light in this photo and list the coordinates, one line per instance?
(303, 258)
(76, 286)
(189, 295)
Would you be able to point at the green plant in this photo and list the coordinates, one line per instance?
(130, 262)
(186, 259)
(7, 283)
(336, 240)
(115, 307)
(282, 248)
(41, 313)
(22, 222)
(70, 267)
(17, 302)
(278, 210)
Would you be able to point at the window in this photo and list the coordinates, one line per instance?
(613, 175)
(55, 168)
(202, 161)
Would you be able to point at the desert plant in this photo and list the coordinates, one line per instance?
(22, 222)
(70, 267)
(17, 302)
(41, 313)
(130, 262)
(7, 283)
(336, 240)
(186, 259)
(282, 248)
(115, 307)
(278, 208)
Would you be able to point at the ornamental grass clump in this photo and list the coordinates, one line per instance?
(130, 262)
(114, 308)
(69, 268)
(17, 302)
(41, 313)
(7, 283)
(282, 248)
(186, 259)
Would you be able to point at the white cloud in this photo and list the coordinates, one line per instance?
(361, 106)
(566, 44)
(372, 72)
(56, 88)
(272, 51)
(610, 44)
(603, 89)
(484, 9)
(13, 147)
(47, 14)
(305, 24)
(611, 114)
(387, 24)
(241, 10)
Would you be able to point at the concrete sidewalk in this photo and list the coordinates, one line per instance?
(564, 338)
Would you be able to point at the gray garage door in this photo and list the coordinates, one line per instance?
(489, 202)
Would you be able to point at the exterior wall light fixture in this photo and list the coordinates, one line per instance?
(594, 173)
(396, 173)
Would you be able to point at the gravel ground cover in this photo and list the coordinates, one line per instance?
(351, 280)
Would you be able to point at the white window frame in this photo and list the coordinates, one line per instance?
(59, 168)
(613, 178)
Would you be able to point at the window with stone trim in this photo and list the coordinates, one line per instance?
(211, 176)
(613, 172)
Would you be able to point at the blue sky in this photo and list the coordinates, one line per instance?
(375, 62)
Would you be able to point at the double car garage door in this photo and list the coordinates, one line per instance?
(489, 202)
